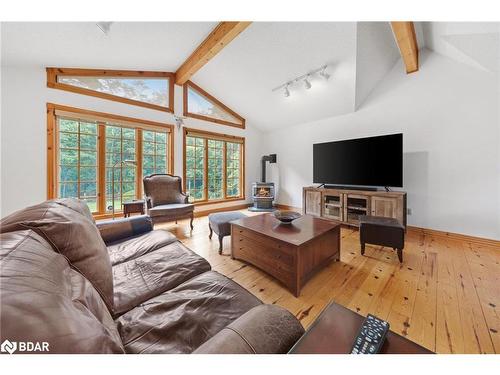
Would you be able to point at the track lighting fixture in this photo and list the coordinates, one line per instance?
(286, 92)
(306, 79)
(324, 74)
(307, 84)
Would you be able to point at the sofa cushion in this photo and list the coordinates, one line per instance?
(153, 273)
(175, 209)
(180, 320)
(77, 205)
(44, 299)
(71, 234)
(132, 248)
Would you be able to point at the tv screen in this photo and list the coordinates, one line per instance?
(373, 161)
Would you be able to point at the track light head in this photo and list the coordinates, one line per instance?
(105, 27)
(286, 92)
(307, 84)
(324, 74)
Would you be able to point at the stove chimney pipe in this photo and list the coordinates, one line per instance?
(271, 158)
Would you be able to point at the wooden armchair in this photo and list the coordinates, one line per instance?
(165, 200)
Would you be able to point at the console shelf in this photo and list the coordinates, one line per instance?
(347, 205)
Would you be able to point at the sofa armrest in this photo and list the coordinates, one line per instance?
(265, 329)
(114, 230)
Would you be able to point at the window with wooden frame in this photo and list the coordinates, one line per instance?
(214, 166)
(90, 152)
(201, 105)
(153, 90)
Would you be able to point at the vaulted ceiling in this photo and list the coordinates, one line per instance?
(263, 56)
(129, 45)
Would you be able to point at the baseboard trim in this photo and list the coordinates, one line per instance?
(455, 236)
(222, 209)
(427, 231)
(288, 208)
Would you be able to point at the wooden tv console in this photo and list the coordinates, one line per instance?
(346, 205)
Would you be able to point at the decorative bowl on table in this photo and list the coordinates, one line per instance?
(286, 217)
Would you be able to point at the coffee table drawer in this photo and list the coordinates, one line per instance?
(260, 258)
(270, 255)
(262, 240)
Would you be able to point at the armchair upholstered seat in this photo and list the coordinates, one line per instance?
(165, 200)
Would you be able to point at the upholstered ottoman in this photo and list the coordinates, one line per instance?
(382, 231)
(220, 224)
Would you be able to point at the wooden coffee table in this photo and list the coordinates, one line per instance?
(292, 253)
(333, 332)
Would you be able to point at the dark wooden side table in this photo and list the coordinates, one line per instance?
(333, 332)
(133, 207)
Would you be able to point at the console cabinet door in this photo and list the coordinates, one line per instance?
(384, 206)
(312, 202)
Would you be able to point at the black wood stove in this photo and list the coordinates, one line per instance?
(263, 192)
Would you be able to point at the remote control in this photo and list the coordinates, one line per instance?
(371, 336)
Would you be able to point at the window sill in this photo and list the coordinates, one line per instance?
(216, 201)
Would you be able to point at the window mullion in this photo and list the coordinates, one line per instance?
(101, 158)
(224, 167)
(205, 168)
(78, 164)
(138, 158)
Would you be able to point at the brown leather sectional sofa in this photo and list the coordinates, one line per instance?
(122, 287)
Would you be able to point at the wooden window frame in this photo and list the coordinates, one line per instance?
(214, 100)
(78, 165)
(54, 73)
(215, 136)
(101, 118)
(138, 169)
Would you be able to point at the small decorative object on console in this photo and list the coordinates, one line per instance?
(286, 217)
(371, 336)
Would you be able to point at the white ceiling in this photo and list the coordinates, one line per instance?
(267, 55)
(129, 45)
(473, 43)
(264, 56)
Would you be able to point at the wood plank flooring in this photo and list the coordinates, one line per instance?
(445, 296)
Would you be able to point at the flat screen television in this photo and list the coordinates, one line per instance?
(372, 161)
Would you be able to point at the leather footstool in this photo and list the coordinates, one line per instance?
(220, 224)
(382, 231)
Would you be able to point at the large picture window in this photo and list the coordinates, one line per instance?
(77, 163)
(90, 153)
(213, 166)
(146, 89)
(201, 105)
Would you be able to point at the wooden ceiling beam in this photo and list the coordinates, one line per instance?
(220, 37)
(404, 32)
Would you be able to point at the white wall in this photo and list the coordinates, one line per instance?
(23, 134)
(376, 54)
(449, 115)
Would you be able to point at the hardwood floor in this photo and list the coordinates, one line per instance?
(445, 296)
